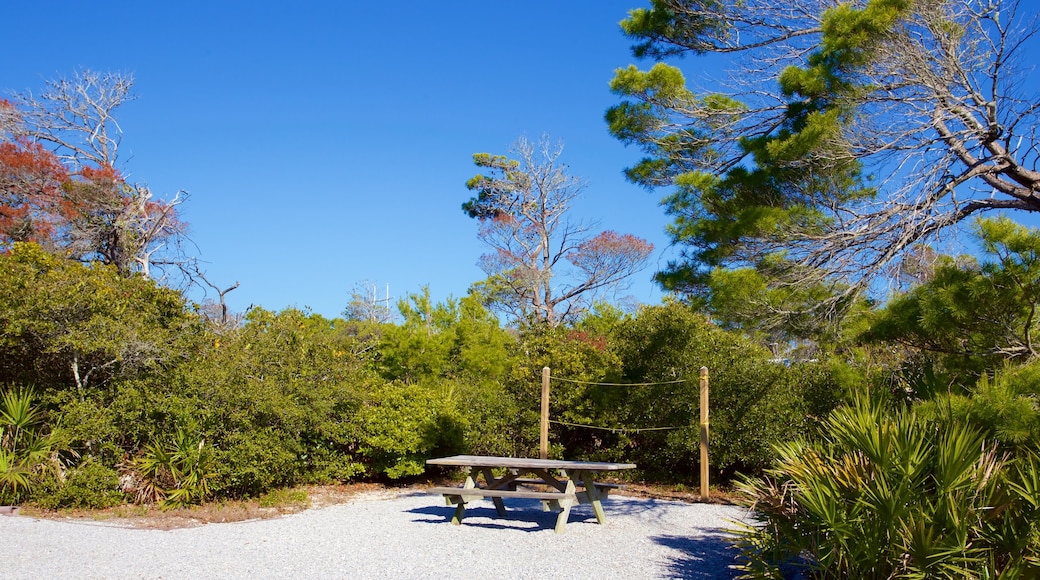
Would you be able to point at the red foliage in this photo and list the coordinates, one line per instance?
(30, 191)
(105, 175)
(611, 252)
(597, 342)
(93, 191)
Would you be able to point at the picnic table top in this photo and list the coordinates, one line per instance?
(527, 463)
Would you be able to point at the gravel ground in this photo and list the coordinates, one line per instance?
(377, 535)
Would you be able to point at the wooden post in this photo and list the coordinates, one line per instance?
(704, 432)
(543, 450)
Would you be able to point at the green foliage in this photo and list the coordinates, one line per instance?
(850, 38)
(67, 325)
(754, 402)
(745, 299)
(1006, 407)
(720, 217)
(404, 425)
(659, 23)
(253, 462)
(26, 444)
(491, 191)
(883, 495)
(973, 316)
(275, 398)
(785, 168)
(89, 485)
(456, 339)
(574, 356)
(174, 473)
(452, 355)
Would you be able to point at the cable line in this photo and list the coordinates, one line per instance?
(618, 384)
(613, 429)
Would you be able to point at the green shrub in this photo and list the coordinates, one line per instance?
(487, 413)
(404, 425)
(90, 426)
(331, 465)
(1006, 407)
(893, 495)
(576, 357)
(276, 399)
(89, 485)
(251, 463)
(754, 403)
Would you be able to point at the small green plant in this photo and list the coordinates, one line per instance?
(173, 474)
(284, 497)
(25, 447)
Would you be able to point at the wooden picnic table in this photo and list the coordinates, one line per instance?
(563, 483)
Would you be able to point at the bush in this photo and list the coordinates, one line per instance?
(1006, 407)
(251, 463)
(277, 399)
(894, 495)
(404, 425)
(89, 485)
(26, 445)
(754, 403)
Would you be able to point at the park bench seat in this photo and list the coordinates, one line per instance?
(602, 487)
(450, 492)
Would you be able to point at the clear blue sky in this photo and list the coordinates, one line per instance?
(326, 143)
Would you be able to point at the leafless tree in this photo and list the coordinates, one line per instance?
(217, 312)
(365, 305)
(77, 116)
(107, 218)
(543, 266)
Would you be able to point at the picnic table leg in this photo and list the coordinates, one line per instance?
(460, 505)
(460, 511)
(589, 481)
(489, 478)
(565, 508)
(548, 506)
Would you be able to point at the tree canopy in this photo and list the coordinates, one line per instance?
(970, 313)
(846, 133)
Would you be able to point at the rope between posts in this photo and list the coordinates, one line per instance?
(613, 429)
(617, 384)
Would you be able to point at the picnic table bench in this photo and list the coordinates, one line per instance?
(575, 484)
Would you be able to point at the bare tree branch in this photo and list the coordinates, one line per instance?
(543, 265)
(941, 122)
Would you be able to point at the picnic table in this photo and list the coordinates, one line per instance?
(562, 484)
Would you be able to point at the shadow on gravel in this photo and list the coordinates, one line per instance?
(522, 515)
(702, 557)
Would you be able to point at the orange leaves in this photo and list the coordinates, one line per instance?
(106, 175)
(24, 162)
(610, 252)
(30, 182)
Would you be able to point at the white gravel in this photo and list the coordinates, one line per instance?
(389, 536)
